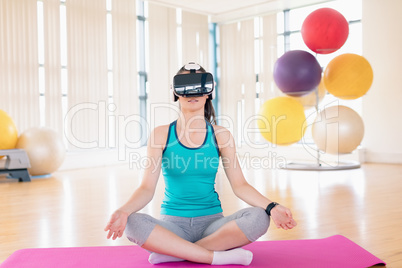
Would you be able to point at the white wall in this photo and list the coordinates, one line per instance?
(382, 106)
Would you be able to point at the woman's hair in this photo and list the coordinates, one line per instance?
(209, 111)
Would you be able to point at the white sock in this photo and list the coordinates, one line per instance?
(233, 256)
(155, 258)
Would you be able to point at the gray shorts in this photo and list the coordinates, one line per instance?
(253, 222)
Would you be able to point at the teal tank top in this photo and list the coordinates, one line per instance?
(189, 175)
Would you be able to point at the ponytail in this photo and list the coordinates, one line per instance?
(209, 112)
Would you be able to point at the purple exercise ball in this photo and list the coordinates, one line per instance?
(297, 73)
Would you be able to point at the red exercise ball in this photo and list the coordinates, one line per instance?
(325, 30)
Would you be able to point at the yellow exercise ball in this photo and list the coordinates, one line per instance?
(282, 120)
(348, 76)
(45, 149)
(338, 130)
(310, 100)
(8, 132)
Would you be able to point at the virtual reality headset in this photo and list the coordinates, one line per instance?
(193, 84)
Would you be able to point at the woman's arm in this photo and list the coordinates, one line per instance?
(145, 192)
(281, 215)
(234, 173)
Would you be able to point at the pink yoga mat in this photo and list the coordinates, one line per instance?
(335, 251)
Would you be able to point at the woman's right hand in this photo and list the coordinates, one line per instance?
(116, 224)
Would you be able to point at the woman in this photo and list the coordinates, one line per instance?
(192, 226)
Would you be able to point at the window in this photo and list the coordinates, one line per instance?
(41, 62)
(60, 42)
(142, 60)
(214, 61)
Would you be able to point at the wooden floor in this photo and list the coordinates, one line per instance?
(72, 207)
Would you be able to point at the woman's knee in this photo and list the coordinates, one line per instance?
(254, 223)
(139, 226)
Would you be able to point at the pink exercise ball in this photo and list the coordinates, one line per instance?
(45, 149)
(338, 130)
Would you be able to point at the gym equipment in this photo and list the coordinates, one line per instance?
(16, 164)
(338, 130)
(348, 76)
(331, 252)
(45, 149)
(282, 120)
(297, 73)
(325, 30)
(8, 132)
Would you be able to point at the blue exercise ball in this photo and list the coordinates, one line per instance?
(297, 73)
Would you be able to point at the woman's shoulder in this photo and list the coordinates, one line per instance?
(223, 136)
(220, 129)
(161, 129)
(159, 135)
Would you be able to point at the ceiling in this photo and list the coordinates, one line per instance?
(222, 11)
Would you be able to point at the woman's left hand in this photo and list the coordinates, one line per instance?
(282, 217)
